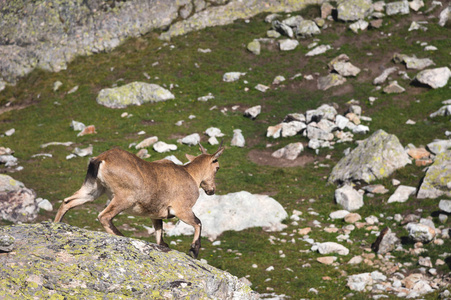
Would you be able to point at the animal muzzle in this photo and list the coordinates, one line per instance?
(210, 192)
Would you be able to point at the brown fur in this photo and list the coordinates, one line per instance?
(159, 189)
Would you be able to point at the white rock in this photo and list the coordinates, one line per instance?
(349, 198)
(292, 128)
(262, 88)
(435, 78)
(415, 5)
(439, 146)
(221, 213)
(10, 132)
(361, 129)
(174, 159)
(77, 126)
(341, 121)
(288, 44)
(359, 282)
(332, 247)
(213, 140)
(339, 214)
(45, 204)
(83, 152)
(214, 132)
(162, 147)
(444, 16)
(445, 205)
(206, 98)
(420, 232)
(253, 112)
(319, 50)
(443, 111)
(291, 151)
(378, 276)
(238, 138)
(147, 142)
(402, 194)
(232, 76)
(191, 140)
(383, 77)
(359, 25)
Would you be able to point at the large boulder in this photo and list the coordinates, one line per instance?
(353, 10)
(135, 93)
(59, 261)
(17, 203)
(235, 211)
(437, 181)
(376, 157)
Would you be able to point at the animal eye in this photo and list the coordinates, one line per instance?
(215, 161)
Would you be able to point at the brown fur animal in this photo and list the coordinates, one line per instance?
(159, 189)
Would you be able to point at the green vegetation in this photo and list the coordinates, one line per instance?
(46, 116)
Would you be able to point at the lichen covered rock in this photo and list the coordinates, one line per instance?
(437, 181)
(376, 157)
(59, 261)
(135, 93)
(353, 10)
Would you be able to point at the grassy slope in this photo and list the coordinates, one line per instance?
(44, 121)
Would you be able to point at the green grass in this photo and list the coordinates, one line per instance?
(48, 114)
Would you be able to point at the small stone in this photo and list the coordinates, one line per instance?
(10, 132)
(435, 78)
(327, 260)
(254, 47)
(352, 218)
(232, 76)
(394, 88)
(238, 138)
(191, 140)
(162, 147)
(253, 112)
(288, 44)
(445, 205)
(6, 243)
(57, 85)
(261, 87)
(147, 142)
(402, 194)
(318, 50)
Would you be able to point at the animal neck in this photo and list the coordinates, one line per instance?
(196, 170)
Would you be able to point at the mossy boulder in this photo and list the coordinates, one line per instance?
(376, 157)
(437, 181)
(135, 93)
(59, 261)
(353, 10)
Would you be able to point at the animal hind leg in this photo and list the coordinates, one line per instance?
(158, 225)
(106, 216)
(190, 218)
(87, 193)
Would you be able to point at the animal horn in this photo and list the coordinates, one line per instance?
(202, 149)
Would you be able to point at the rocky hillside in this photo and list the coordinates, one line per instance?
(49, 260)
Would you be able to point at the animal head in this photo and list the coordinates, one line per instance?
(208, 166)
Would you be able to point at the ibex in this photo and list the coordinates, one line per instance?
(159, 189)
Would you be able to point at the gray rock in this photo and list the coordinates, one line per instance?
(254, 47)
(439, 146)
(135, 93)
(348, 198)
(341, 122)
(359, 282)
(361, 129)
(307, 28)
(415, 5)
(394, 88)
(420, 232)
(412, 62)
(293, 21)
(91, 265)
(339, 214)
(19, 204)
(219, 213)
(402, 194)
(360, 25)
(345, 69)
(316, 133)
(283, 29)
(385, 242)
(376, 157)
(445, 205)
(443, 111)
(6, 243)
(436, 181)
(83, 152)
(77, 126)
(383, 77)
(214, 132)
(398, 7)
(44, 204)
(290, 151)
(331, 80)
(353, 10)
(435, 78)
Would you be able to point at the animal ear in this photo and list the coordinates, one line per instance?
(202, 149)
(190, 157)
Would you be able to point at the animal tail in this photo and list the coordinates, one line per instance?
(93, 170)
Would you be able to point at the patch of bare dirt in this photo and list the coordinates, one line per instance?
(263, 157)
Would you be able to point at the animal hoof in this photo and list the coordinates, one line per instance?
(193, 253)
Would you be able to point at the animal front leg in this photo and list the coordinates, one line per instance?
(158, 225)
(107, 215)
(191, 219)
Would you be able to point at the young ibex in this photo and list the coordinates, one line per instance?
(159, 189)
